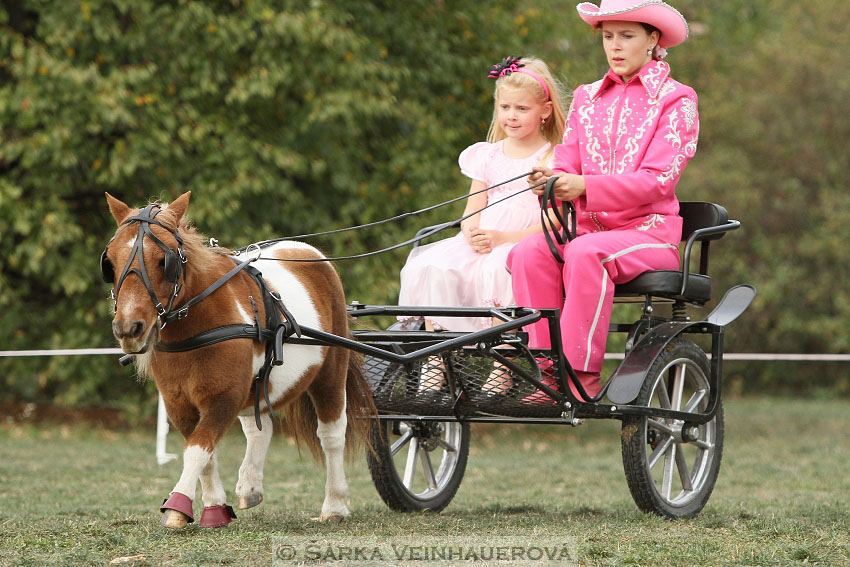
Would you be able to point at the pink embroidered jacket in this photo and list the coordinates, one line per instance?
(630, 142)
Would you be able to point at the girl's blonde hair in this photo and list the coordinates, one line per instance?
(553, 128)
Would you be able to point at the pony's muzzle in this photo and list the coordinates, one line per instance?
(132, 329)
(134, 335)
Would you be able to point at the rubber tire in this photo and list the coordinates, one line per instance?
(389, 484)
(636, 438)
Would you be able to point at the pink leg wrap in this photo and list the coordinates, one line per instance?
(216, 516)
(179, 502)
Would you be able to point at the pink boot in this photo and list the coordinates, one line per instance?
(590, 381)
(216, 516)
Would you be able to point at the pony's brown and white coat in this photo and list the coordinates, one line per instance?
(320, 388)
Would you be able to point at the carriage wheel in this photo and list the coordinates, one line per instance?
(671, 469)
(418, 465)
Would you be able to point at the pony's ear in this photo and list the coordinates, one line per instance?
(118, 209)
(176, 210)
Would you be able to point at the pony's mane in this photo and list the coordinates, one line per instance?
(194, 243)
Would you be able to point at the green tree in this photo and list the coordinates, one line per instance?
(283, 118)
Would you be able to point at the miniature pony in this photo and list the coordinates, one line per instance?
(162, 267)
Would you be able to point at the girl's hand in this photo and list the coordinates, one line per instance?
(539, 174)
(483, 241)
(468, 230)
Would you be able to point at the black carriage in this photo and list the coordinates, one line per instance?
(666, 391)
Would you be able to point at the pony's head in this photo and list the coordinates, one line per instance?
(146, 263)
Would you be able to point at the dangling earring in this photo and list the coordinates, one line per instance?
(650, 50)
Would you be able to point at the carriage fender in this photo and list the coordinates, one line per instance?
(630, 375)
(627, 380)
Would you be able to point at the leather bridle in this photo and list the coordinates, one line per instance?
(174, 263)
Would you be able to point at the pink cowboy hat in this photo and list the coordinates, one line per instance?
(672, 24)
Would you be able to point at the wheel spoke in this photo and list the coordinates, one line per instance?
(695, 400)
(401, 442)
(678, 387)
(658, 452)
(410, 464)
(659, 426)
(428, 469)
(682, 467)
(663, 398)
(667, 478)
(446, 445)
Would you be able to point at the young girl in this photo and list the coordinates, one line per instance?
(469, 268)
(628, 138)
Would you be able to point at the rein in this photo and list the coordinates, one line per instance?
(548, 200)
(391, 219)
(421, 237)
(567, 208)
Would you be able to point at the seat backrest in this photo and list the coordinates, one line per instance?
(699, 214)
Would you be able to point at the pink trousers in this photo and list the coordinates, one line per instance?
(583, 287)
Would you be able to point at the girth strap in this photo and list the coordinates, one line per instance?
(281, 324)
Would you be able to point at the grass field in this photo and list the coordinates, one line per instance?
(78, 495)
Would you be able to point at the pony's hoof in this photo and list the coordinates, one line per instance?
(332, 518)
(250, 501)
(174, 520)
(216, 516)
(176, 511)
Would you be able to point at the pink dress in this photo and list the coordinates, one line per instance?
(450, 273)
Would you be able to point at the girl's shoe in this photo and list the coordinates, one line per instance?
(498, 383)
(541, 398)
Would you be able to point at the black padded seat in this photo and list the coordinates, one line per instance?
(668, 284)
(701, 222)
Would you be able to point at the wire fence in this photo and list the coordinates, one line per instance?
(163, 457)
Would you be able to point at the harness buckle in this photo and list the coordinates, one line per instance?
(177, 288)
(114, 300)
(182, 313)
(160, 309)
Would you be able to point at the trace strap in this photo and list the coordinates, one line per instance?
(568, 210)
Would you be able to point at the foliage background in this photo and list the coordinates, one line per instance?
(287, 117)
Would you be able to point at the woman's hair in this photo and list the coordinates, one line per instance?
(553, 129)
(649, 29)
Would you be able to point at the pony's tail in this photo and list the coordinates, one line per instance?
(360, 408)
(360, 413)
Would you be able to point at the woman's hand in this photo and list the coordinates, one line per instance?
(568, 187)
(484, 241)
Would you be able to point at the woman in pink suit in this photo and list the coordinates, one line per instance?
(628, 138)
